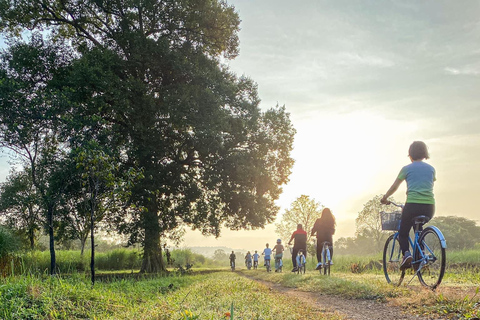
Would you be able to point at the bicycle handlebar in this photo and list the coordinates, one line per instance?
(395, 204)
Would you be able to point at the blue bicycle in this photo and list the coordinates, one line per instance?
(428, 247)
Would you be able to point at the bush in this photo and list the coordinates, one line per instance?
(118, 259)
(9, 244)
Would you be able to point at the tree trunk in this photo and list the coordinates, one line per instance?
(92, 240)
(152, 250)
(52, 240)
(31, 238)
(83, 241)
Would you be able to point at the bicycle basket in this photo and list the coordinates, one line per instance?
(391, 220)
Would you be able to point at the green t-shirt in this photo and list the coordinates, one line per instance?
(420, 177)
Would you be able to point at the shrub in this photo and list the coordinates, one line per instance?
(9, 244)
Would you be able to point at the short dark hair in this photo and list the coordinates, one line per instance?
(299, 226)
(418, 150)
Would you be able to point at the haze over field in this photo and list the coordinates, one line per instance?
(362, 80)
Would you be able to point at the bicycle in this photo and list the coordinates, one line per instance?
(301, 263)
(232, 265)
(267, 265)
(249, 264)
(255, 265)
(326, 259)
(278, 264)
(428, 247)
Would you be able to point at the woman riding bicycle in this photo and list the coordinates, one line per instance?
(420, 177)
(324, 227)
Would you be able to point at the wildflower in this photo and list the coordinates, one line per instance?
(227, 314)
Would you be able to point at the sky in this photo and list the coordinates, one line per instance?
(362, 80)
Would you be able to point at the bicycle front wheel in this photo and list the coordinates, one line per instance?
(433, 258)
(392, 258)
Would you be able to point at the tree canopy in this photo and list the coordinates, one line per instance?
(145, 80)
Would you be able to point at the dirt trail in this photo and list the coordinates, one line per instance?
(351, 309)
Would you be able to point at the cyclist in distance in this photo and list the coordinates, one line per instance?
(232, 259)
(324, 227)
(248, 260)
(278, 254)
(420, 177)
(255, 259)
(267, 252)
(299, 238)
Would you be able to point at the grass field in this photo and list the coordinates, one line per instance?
(219, 295)
(214, 293)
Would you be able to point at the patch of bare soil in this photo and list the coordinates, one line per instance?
(351, 309)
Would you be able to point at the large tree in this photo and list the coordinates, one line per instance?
(149, 78)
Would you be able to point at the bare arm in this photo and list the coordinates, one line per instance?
(391, 191)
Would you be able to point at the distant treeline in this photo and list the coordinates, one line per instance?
(461, 234)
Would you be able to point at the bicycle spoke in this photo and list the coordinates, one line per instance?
(432, 266)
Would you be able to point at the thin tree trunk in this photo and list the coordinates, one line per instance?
(31, 238)
(83, 241)
(92, 240)
(52, 240)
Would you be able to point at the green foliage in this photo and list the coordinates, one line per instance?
(21, 205)
(9, 243)
(118, 259)
(461, 233)
(186, 256)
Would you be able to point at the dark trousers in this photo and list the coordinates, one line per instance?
(410, 211)
(294, 255)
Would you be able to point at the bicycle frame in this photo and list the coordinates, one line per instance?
(414, 244)
(422, 255)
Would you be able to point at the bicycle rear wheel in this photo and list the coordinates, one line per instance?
(326, 261)
(392, 258)
(432, 266)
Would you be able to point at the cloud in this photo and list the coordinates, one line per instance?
(353, 58)
(467, 70)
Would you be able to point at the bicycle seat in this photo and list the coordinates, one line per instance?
(420, 220)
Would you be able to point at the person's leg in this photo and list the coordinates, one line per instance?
(319, 250)
(405, 226)
(294, 257)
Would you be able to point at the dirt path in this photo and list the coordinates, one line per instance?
(351, 309)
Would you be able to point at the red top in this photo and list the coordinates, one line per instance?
(300, 237)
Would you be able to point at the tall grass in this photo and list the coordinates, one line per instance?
(69, 261)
